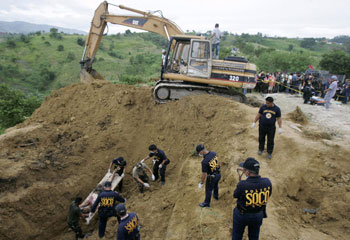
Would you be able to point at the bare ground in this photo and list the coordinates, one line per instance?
(65, 148)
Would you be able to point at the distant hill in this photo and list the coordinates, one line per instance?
(26, 27)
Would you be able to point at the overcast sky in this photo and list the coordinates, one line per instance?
(288, 18)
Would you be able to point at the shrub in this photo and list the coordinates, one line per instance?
(80, 42)
(60, 48)
(70, 56)
(130, 79)
(47, 43)
(15, 106)
(24, 38)
(11, 43)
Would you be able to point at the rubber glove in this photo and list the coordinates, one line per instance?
(160, 165)
(146, 185)
(200, 185)
(253, 125)
(153, 177)
(109, 170)
(142, 161)
(280, 131)
(122, 175)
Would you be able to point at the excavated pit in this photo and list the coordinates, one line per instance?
(65, 147)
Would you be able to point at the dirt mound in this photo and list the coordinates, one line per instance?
(68, 143)
(298, 116)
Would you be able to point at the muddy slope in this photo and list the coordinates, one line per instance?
(66, 146)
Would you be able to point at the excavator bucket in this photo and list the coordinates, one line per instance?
(86, 77)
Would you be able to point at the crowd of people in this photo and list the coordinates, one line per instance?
(299, 83)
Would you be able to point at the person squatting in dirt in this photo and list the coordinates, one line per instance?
(119, 169)
(140, 175)
(210, 173)
(160, 162)
(108, 200)
(252, 196)
(74, 215)
(267, 116)
(129, 227)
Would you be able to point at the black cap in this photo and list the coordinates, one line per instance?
(199, 148)
(108, 184)
(269, 99)
(152, 147)
(120, 209)
(78, 200)
(251, 164)
(120, 161)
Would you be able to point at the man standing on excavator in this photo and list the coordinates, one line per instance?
(216, 36)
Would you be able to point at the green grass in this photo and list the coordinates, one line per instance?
(26, 59)
(22, 65)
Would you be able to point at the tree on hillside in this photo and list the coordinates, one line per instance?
(60, 48)
(290, 47)
(337, 62)
(278, 61)
(308, 43)
(24, 38)
(80, 42)
(54, 33)
(15, 106)
(11, 43)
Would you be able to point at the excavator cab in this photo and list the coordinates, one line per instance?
(190, 57)
(199, 59)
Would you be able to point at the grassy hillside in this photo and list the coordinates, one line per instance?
(37, 64)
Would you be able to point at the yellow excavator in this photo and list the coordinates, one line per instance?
(188, 67)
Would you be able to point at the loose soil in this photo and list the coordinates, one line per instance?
(65, 148)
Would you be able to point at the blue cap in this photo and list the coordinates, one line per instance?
(120, 209)
(199, 148)
(251, 164)
(108, 184)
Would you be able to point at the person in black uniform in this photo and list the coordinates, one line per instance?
(73, 217)
(252, 196)
(160, 161)
(267, 116)
(129, 228)
(210, 173)
(119, 168)
(107, 200)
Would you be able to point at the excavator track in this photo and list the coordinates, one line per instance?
(165, 91)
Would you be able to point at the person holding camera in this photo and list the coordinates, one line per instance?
(252, 196)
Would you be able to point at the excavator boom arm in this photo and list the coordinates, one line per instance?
(146, 21)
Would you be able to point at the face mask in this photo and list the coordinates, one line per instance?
(201, 155)
(152, 152)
